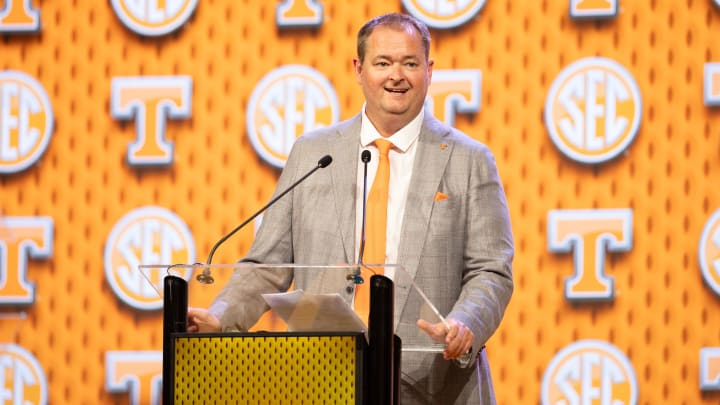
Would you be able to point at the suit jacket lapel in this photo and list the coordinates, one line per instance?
(430, 160)
(344, 150)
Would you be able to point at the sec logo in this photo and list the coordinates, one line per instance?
(286, 103)
(593, 110)
(26, 121)
(444, 13)
(589, 371)
(146, 236)
(23, 380)
(709, 252)
(153, 17)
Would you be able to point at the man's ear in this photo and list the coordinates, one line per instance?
(357, 67)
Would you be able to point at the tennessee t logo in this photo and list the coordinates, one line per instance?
(711, 84)
(710, 368)
(454, 91)
(593, 8)
(151, 100)
(19, 16)
(588, 233)
(299, 14)
(139, 374)
(21, 238)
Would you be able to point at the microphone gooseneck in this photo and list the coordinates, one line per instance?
(205, 277)
(365, 158)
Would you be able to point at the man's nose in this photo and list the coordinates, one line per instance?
(396, 73)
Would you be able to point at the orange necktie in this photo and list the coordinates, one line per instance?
(376, 227)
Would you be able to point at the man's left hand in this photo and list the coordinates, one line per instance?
(458, 338)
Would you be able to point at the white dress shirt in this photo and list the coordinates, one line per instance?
(401, 156)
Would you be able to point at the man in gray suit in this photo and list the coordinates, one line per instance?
(447, 217)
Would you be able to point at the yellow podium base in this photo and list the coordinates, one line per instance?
(267, 368)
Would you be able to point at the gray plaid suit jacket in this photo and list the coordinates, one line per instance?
(459, 250)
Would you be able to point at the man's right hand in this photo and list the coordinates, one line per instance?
(201, 320)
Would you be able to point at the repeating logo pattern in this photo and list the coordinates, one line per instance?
(299, 13)
(589, 372)
(444, 14)
(286, 103)
(593, 8)
(153, 17)
(151, 101)
(454, 91)
(26, 121)
(588, 233)
(593, 110)
(139, 374)
(146, 236)
(19, 16)
(592, 113)
(22, 380)
(22, 238)
(709, 253)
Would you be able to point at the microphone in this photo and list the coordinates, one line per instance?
(365, 157)
(205, 277)
(357, 279)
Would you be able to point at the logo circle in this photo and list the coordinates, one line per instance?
(444, 14)
(146, 236)
(29, 383)
(26, 135)
(589, 364)
(144, 18)
(709, 252)
(287, 102)
(593, 110)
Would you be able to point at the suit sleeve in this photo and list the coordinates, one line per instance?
(240, 304)
(487, 283)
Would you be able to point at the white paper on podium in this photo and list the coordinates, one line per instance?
(306, 312)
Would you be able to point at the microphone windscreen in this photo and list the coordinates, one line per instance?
(325, 161)
(365, 156)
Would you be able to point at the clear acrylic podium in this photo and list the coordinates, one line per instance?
(318, 305)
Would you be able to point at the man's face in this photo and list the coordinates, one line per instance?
(394, 77)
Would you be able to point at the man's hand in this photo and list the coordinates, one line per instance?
(200, 320)
(458, 339)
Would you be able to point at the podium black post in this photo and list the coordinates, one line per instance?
(175, 307)
(382, 374)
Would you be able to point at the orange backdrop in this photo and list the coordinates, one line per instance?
(662, 314)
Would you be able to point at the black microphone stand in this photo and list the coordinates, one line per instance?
(205, 277)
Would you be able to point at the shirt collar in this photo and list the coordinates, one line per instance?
(402, 139)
